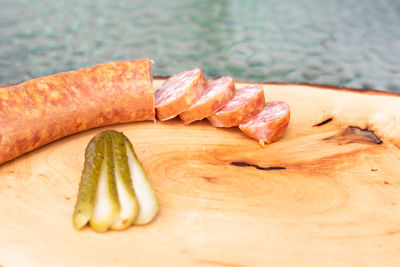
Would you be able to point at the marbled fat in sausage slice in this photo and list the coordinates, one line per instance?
(178, 93)
(270, 124)
(217, 95)
(246, 103)
(42, 110)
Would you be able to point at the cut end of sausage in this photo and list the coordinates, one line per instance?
(178, 93)
(246, 103)
(216, 96)
(151, 64)
(270, 124)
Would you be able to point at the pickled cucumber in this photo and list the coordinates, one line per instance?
(94, 156)
(107, 207)
(145, 195)
(114, 192)
(126, 194)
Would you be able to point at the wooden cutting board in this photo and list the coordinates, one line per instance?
(333, 201)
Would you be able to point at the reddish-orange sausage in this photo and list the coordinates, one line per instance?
(178, 93)
(42, 110)
(246, 103)
(216, 95)
(270, 124)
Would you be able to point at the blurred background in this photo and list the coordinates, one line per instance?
(348, 43)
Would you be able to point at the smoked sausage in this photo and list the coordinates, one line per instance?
(42, 110)
(270, 124)
(217, 95)
(178, 93)
(246, 103)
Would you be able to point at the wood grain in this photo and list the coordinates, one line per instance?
(326, 195)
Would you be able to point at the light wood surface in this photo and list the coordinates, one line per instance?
(334, 202)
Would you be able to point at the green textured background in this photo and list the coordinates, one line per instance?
(344, 43)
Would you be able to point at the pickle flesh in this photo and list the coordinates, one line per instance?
(106, 207)
(126, 195)
(145, 195)
(94, 156)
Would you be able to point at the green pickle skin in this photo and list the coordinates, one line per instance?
(122, 160)
(84, 207)
(111, 177)
(121, 165)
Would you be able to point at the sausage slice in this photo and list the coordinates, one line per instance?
(270, 124)
(246, 103)
(217, 95)
(178, 93)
